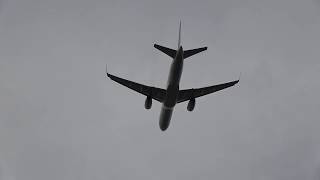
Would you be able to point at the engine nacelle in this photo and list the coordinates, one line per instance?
(191, 104)
(148, 103)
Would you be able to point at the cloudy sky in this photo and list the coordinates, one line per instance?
(61, 119)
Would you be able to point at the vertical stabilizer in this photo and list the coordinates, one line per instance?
(179, 40)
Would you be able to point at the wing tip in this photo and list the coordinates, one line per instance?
(108, 75)
(238, 78)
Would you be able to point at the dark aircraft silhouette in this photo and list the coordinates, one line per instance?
(172, 95)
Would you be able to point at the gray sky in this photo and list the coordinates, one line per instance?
(60, 118)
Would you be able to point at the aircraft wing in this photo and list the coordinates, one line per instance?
(155, 93)
(187, 94)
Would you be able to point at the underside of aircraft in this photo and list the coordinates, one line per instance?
(172, 95)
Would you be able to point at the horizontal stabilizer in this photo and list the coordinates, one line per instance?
(167, 51)
(191, 52)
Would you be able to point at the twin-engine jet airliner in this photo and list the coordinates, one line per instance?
(172, 95)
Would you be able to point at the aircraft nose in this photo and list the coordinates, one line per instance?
(165, 116)
(163, 128)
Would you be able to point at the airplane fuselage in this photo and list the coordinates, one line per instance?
(172, 95)
(172, 90)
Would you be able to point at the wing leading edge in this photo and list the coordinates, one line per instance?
(187, 94)
(153, 92)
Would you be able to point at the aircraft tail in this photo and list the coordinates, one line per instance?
(192, 52)
(172, 53)
(179, 40)
(167, 51)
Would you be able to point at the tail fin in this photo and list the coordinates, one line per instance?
(179, 40)
(191, 52)
(172, 53)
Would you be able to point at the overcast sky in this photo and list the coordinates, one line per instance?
(62, 119)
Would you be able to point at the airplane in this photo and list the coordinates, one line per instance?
(172, 95)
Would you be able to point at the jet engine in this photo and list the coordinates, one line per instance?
(191, 104)
(148, 103)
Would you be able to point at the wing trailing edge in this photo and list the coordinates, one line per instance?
(153, 92)
(187, 94)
